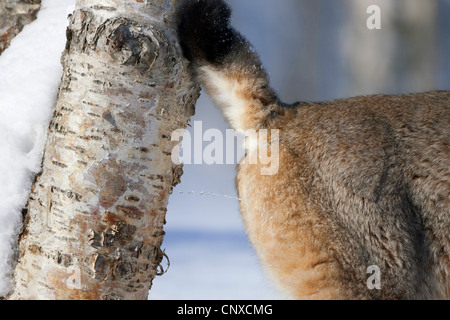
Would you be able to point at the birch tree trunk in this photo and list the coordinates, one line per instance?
(95, 216)
(14, 15)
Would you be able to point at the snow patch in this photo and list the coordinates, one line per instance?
(30, 72)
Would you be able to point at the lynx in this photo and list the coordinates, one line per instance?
(362, 181)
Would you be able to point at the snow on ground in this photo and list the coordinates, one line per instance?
(30, 71)
(208, 250)
(210, 266)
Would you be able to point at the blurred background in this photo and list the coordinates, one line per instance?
(313, 51)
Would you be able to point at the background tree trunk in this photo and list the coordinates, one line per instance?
(14, 15)
(94, 222)
(399, 58)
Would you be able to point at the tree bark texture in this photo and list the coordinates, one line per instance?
(14, 15)
(94, 225)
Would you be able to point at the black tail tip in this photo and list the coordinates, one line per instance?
(204, 30)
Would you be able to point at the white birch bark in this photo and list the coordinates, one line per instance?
(95, 216)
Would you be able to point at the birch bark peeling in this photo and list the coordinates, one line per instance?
(95, 217)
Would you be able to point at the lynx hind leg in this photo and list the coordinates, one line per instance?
(299, 244)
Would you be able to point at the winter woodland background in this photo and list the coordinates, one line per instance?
(313, 50)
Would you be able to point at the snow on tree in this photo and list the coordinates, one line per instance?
(94, 221)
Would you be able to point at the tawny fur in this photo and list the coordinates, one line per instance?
(361, 181)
